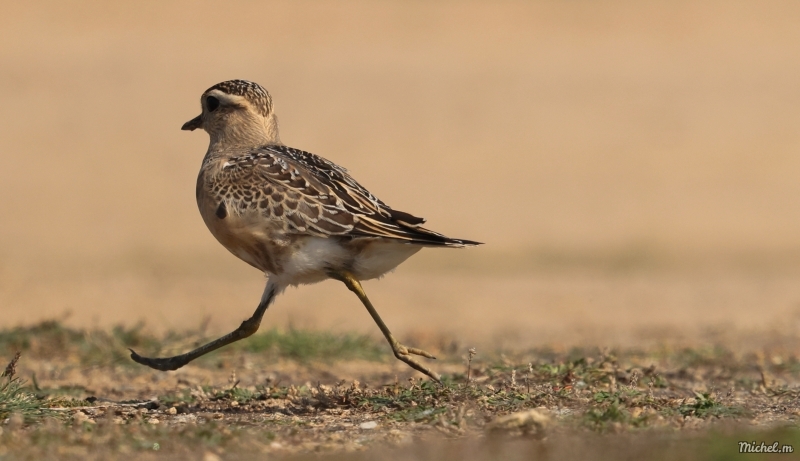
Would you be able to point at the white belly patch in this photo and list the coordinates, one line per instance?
(311, 260)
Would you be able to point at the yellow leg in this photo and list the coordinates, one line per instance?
(400, 351)
(247, 328)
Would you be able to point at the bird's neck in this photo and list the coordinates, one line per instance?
(244, 136)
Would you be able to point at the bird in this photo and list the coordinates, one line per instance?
(293, 215)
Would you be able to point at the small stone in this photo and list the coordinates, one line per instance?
(368, 425)
(208, 456)
(172, 411)
(234, 403)
(183, 419)
(79, 417)
(153, 421)
(275, 446)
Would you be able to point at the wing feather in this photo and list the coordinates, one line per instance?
(313, 196)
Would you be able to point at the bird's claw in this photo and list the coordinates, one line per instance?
(162, 364)
(403, 353)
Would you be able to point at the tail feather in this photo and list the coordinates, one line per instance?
(404, 227)
(429, 237)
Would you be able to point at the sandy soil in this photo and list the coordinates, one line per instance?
(631, 167)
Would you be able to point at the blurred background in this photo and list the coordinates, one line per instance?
(632, 166)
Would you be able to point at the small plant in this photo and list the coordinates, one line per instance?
(13, 397)
(471, 354)
(705, 405)
(599, 417)
(305, 346)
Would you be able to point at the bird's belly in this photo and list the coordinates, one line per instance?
(312, 259)
(377, 257)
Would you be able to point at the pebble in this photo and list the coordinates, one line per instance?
(208, 456)
(172, 411)
(185, 419)
(368, 425)
(78, 417)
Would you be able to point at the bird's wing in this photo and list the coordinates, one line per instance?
(314, 196)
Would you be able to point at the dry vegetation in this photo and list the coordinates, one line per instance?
(67, 397)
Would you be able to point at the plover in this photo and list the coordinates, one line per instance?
(294, 215)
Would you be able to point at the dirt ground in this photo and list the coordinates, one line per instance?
(632, 168)
(301, 394)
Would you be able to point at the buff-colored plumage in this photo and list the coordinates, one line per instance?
(295, 216)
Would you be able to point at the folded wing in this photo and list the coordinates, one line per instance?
(314, 196)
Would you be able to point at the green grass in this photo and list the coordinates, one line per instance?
(51, 339)
(304, 345)
(705, 405)
(15, 397)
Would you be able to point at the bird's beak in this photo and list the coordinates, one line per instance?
(193, 124)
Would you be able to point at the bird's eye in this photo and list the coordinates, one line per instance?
(212, 103)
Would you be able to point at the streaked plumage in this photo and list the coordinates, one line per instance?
(310, 195)
(294, 215)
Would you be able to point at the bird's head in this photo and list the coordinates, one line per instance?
(237, 113)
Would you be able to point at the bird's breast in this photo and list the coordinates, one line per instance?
(247, 234)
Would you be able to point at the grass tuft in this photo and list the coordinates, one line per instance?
(103, 348)
(14, 397)
(706, 405)
(304, 345)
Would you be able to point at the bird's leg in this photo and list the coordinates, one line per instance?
(247, 328)
(400, 351)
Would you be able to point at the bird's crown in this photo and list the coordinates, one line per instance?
(258, 97)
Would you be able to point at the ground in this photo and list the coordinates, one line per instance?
(296, 393)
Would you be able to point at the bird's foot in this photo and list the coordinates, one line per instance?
(404, 353)
(163, 364)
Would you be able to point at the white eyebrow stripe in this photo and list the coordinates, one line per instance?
(225, 98)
